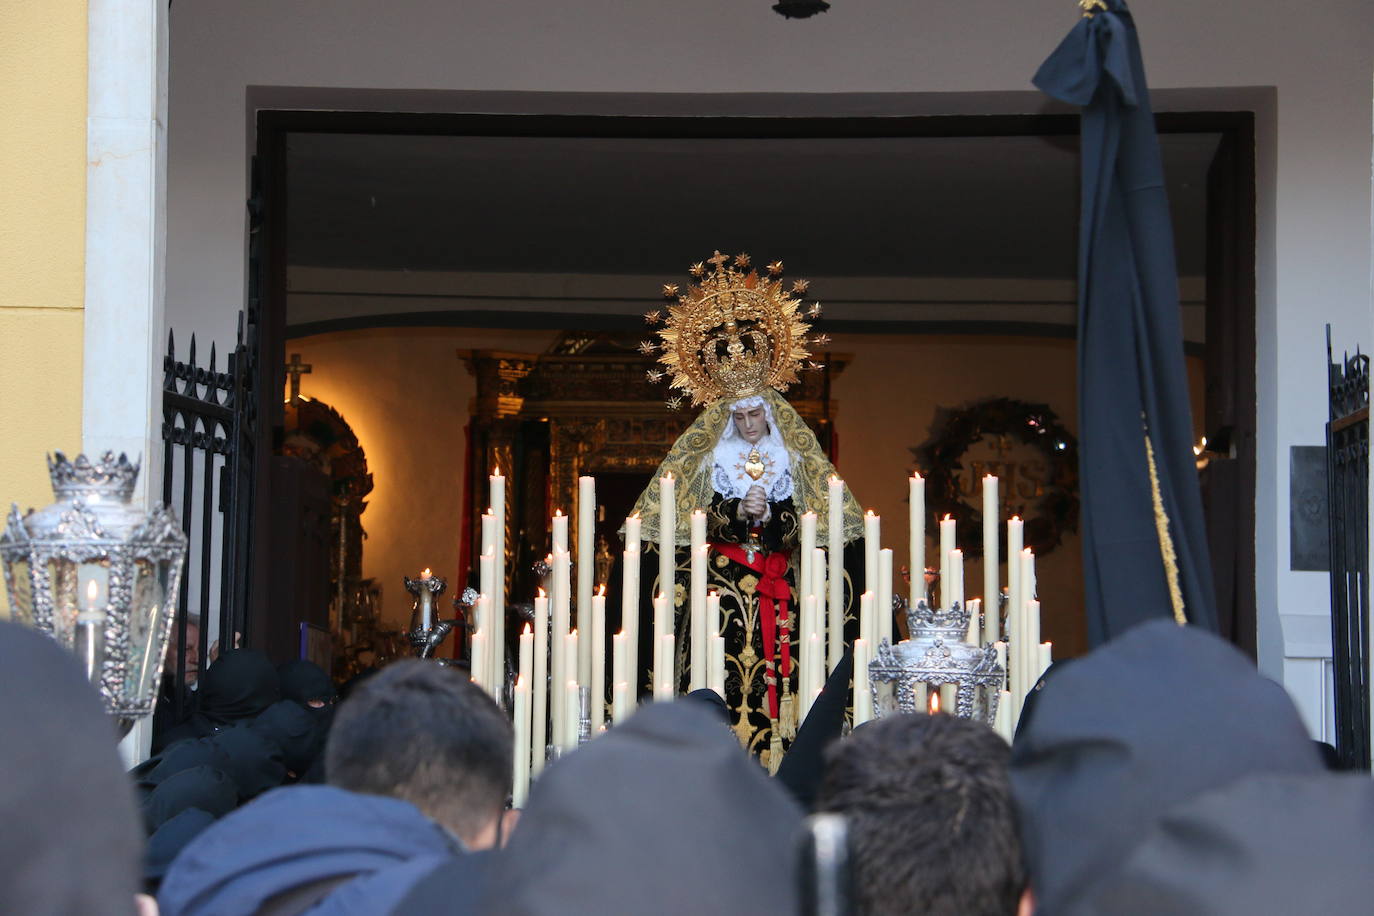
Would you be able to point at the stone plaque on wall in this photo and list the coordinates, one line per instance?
(1308, 522)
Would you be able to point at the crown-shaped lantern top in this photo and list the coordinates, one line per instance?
(734, 333)
(108, 478)
(949, 624)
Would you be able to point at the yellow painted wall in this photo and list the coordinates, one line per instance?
(42, 239)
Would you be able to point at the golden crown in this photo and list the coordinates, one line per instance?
(733, 333)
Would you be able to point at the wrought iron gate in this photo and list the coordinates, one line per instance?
(208, 427)
(1347, 457)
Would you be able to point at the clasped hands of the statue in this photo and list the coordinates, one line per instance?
(753, 507)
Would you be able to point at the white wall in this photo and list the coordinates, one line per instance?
(1312, 65)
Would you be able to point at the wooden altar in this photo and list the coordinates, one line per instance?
(584, 407)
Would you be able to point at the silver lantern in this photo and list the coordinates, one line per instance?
(100, 576)
(936, 656)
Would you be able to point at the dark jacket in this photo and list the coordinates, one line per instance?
(304, 846)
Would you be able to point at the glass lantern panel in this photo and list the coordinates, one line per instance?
(147, 614)
(75, 587)
(886, 701)
(21, 591)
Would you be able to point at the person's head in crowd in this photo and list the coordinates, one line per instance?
(929, 817)
(1140, 726)
(72, 838)
(686, 820)
(297, 734)
(202, 787)
(239, 685)
(252, 761)
(307, 684)
(421, 732)
(190, 650)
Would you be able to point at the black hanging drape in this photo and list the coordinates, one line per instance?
(1134, 417)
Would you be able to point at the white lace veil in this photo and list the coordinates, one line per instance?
(729, 477)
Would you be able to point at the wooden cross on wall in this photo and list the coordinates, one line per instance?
(295, 368)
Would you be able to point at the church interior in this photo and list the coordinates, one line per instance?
(429, 276)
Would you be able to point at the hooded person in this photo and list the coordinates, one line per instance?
(239, 686)
(202, 787)
(690, 823)
(1265, 844)
(306, 683)
(735, 340)
(252, 761)
(307, 846)
(299, 735)
(72, 836)
(1147, 723)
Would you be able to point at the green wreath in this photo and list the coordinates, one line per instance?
(940, 460)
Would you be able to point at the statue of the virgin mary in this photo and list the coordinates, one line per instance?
(734, 341)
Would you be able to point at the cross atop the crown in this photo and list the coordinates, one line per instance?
(718, 259)
(295, 368)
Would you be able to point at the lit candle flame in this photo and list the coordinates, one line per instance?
(602, 591)
(870, 514)
(915, 475)
(934, 706)
(557, 513)
(1016, 518)
(527, 630)
(496, 470)
(542, 594)
(635, 516)
(948, 517)
(424, 574)
(92, 591)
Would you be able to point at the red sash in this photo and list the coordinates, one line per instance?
(775, 621)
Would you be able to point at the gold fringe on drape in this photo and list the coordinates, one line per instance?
(1166, 541)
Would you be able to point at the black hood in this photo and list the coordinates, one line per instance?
(299, 735)
(684, 820)
(1154, 718)
(241, 684)
(200, 787)
(71, 839)
(1267, 844)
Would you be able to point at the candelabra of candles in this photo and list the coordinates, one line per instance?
(426, 630)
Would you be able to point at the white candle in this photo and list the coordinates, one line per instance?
(863, 697)
(525, 668)
(1032, 643)
(716, 681)
(539, 715)
(873, 536)
(571, 702)
(1002, 722)
(667, 534)
(629, 601)
(916, 499)
(974, 633)
(947, 535)
(597, 644)
(520, 777)
(663, 629)
(808, 624)
(867, 625)
(992, 584)
(1001, 647)
(818, 580)
(882, 601)
(562, 582)
(426, 599)
(1044, 658)
(1030, 616)
(486, 590)
(484, 616)
(956, 577)
(664, 688)
(621, 707)
(619, 662)
(560, 532)
(835, 599)
(497, 487)
(805, 585)
(697, 621)
(918, 692)
(1015, 533)
(817, 650)
(489, 532)
(478, 663)
(948, 699)
(586, 570)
